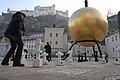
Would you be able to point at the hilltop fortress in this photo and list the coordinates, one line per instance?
(40, 11)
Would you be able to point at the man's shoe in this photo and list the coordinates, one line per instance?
(18, 65)
(5, 64)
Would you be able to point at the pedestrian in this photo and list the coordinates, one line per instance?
(106, 57)
(96, 56)
(48, 51)
(14, 32)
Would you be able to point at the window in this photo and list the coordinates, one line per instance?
(112, 39)
(50, 42)
(113, 49)
(56, 42)
(50, 34)
(116, 38)
(87, 51)
(34, 46)
(56, 34)
(103, 42)
(107, 41)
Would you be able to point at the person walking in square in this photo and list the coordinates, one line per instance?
(48, 50)
(14, 32)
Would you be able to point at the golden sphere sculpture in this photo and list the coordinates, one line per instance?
(87, 24)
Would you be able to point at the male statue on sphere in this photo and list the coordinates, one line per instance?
(14, 32)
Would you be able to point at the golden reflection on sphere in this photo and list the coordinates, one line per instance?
(87, 24)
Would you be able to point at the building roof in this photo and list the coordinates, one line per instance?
(116, 31)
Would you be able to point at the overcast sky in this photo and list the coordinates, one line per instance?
(71, 5)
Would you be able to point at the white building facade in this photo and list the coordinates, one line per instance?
(40, 11)
(49, 10)
(30, 43)
(57, 39)
(112, 41)
(4, 46)
(80, 50)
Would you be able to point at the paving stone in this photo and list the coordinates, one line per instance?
(70, 71)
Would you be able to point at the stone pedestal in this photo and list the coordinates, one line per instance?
(23, 57)
(23, 60)
(38, 61)
(44, 55)
(70, 58)
(59, 61)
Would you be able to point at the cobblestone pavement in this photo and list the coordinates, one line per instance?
(70, 71)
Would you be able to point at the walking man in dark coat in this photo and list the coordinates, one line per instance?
(48, 50)
(14, 32)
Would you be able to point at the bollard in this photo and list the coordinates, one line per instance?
(23, 57)
(70, 58)
(103, 59)
(96, 56)
(118, 55)
(59, 61)
(38, 61)
(44, 55)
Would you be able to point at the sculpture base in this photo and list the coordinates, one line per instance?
(95, 41)
(37, 63)
(103, 61)
(61, 63)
